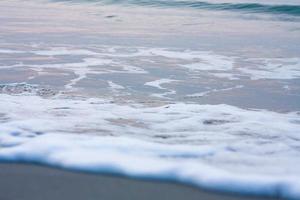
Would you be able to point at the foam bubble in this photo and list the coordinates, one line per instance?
(26, 89)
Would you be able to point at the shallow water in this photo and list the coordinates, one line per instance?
(201, 92)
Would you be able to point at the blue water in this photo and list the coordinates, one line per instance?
(242, 6)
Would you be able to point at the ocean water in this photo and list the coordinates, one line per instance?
(205, 93)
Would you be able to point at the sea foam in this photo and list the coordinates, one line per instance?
(217, 147)
(114, 59)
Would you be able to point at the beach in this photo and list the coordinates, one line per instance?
(149, 99)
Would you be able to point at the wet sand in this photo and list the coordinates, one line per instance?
(33, 182)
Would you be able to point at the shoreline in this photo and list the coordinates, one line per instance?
(20, 181)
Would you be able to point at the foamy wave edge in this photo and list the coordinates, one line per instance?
(71, 152)
(135, 158)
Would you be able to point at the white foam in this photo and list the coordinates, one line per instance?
(117, 59)
(276, 68)
(211, 62)
(59, 51)
(225, 66)
(286, 87)
(206, 93)
(159, 82)
(115, 86)
(213, 146)
(9, 51)
(118, 90)
(227, 75)
(80, 69)
(205, 60)
(176, 54)
(164, 94)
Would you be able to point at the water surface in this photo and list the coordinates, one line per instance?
(200, 92)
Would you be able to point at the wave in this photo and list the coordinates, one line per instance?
(286, 9)
(245, 151)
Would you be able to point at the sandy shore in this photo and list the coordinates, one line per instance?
(32, 182)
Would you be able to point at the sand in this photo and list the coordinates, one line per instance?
(35, 182)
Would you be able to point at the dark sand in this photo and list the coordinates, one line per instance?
(33, 182)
